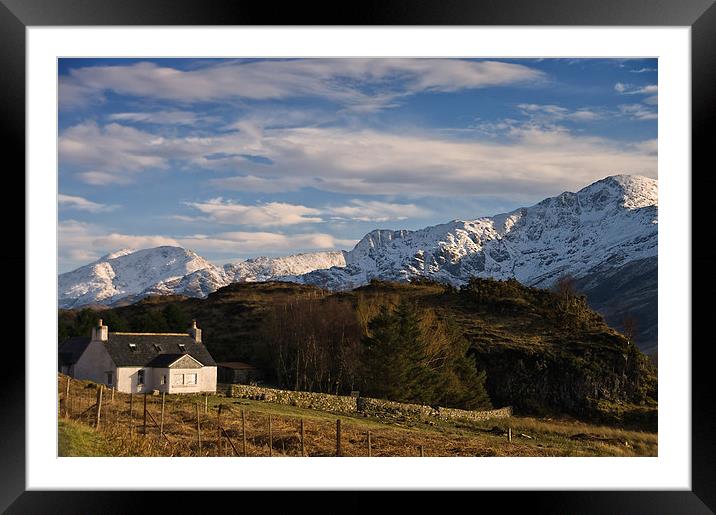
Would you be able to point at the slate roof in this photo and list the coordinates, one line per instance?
(71, 349)
(164, 360)
(150, 346)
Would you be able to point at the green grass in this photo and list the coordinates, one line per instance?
(78, 439)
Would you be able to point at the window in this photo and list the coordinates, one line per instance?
(189, 378)
(157, 348)
(133, 347)
(140, 378)
(110, 378)
(163, 380)
(182, 347)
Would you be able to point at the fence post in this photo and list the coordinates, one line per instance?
(218, 431)
(243, 430)
(206, 404)
(270, 437)
(161, 418)
(370, 446)
(339, 451)
(131, 427)
(144, 423)
(67, 398)
(112, 399)
(422, 451)
(303, 440)
(509, 434)
(198, 427)
(99, 406)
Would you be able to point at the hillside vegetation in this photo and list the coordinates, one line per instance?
(543, 352)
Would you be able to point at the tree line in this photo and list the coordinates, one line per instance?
(400, 352)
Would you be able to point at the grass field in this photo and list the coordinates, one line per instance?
(120, 435)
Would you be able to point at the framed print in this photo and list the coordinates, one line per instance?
(419, 244)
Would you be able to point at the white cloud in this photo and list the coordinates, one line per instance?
(277, 214)
(157, 117)
(527, 160)
(643, 70)
(260, 215)
(376, 211)
(638, 112)
(115, 153)
(630, 89)
(339, 80)
(241, 242)
(81, 204)
(542, 113)
(532, 157)
(98, 178)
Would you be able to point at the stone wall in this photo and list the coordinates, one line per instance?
(461, 414)
(361, 405)
(319, 401)
(394, 410)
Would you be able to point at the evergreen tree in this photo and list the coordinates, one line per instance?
(412, 356)
(152, 321)
(176, 318)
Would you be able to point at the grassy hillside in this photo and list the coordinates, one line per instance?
(543, 352)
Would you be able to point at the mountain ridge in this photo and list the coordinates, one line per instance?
(590, 234)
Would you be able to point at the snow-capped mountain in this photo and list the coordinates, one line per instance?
(132, 274)
(605, 236)
(611, 222)
(128, 272)
(266, 268)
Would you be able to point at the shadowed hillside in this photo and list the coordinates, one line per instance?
(541, 352)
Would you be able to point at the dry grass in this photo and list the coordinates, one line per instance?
(125, 436)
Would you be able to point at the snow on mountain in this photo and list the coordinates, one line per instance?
(609, 223)
(597, 230)
(133, 274)
(266, 268)
(127, 272)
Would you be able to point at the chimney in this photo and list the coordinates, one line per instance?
(195, 332)
(100, 332)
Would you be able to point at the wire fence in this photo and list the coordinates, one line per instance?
(203, 425)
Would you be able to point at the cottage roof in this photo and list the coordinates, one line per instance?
(145, 349)
(71, 349)
(166, 360)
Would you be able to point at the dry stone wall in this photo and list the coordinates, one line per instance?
(367, 406)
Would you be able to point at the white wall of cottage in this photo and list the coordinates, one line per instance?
(94, 363)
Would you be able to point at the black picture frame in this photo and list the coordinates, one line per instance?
(700, 15)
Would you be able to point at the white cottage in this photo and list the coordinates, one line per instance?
(141, 362)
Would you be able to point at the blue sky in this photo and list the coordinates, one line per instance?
(246, 157)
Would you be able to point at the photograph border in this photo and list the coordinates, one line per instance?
(700, 15)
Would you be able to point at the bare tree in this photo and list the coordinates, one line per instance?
(565, 286)
(630, 327)
(313, 344)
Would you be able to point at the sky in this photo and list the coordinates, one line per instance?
(238, 158)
